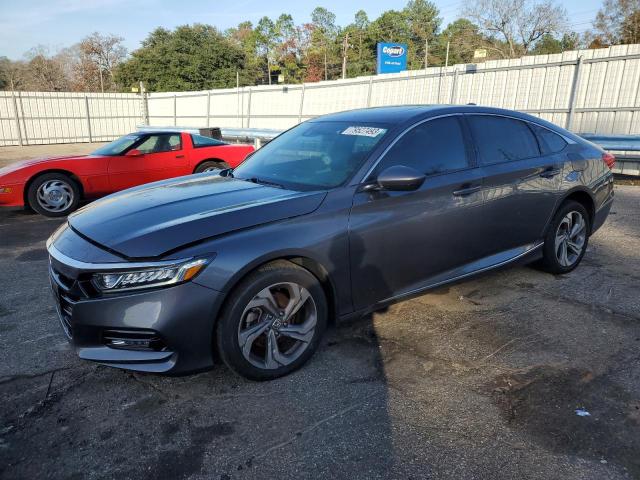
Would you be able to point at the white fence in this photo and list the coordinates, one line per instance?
(28, 118)
(594, 91)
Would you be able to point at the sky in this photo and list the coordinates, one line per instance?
(57, 24)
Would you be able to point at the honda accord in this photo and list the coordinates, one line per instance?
(337, 217)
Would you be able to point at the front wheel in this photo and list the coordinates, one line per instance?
(566, 241)
(272, 322)
(53, 195)
(211, 166)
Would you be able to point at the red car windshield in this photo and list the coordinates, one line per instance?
(119, 146)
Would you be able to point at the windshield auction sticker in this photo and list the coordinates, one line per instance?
(364, 131)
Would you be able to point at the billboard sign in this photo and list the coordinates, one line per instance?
(392, 57)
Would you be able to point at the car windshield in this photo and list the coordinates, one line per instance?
(312, 155)
(119, 146)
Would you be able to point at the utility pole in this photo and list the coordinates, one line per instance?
(426, 53)
(446, 61)
(345, 48)
(268, 67)
(325, 62)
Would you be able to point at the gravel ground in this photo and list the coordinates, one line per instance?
(476, 380)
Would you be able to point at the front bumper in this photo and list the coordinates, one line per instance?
(11, 195)
(175, 323)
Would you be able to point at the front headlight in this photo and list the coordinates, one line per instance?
(149, 277)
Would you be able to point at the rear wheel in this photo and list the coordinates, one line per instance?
(272, 322)
(566, 241)
(210, 166)
(53, 195)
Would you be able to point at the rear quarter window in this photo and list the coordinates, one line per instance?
(202, 141)
(550, 142)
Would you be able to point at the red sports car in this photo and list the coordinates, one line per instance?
(55, 186)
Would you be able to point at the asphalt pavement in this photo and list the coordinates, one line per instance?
(483, 379)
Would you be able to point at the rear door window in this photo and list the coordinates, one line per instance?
(549, 141)
(501, 139)
(435, 146)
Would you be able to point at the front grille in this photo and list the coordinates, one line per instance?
(67, 292)
(65, 306)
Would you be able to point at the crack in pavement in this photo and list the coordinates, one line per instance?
(28, 376)
(305, 430)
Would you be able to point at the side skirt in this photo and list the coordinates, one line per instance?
(521, 255)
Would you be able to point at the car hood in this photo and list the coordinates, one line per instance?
(36, 161)
(154, 219)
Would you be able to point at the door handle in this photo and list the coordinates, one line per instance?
(467, 190)
(550, 172)
(179, 156)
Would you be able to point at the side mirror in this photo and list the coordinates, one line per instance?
(398, 178)
(134, 153)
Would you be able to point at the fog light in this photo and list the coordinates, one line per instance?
(133, 340)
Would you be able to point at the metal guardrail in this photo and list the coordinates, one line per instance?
(616, 143)
(257, 136)
(624, 148)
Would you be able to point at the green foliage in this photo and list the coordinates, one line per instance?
(199, 57)
(464, 38)
(189, 58)
(549, 44)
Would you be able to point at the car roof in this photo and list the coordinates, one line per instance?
(405, 113)
(158, 131)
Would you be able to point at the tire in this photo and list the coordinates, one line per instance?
(249, 320)
(210, 165)
(53, 195)
(563, 250)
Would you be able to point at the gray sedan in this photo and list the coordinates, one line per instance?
(335, 218)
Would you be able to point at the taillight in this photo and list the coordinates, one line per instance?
(609, 159)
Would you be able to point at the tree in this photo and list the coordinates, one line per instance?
(324, 34)
(549, 44)
(287, 53)
(191, 57)
(465, 38)
(266, 35)
(106, 52)
(423, 21)
(516, 25)
(630, 29)
(360, 58)
(43, 72)
(12, 74)
(245, 37)
(618, 21)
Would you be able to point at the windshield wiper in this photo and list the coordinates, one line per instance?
(262, 181)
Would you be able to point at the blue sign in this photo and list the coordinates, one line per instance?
(392, 57)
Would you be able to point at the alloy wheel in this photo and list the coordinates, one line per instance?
(570, 238)
(55, 195)
(277, 325)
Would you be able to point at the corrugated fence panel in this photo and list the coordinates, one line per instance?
(606, 99)
(64, 117)
(274, 107)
